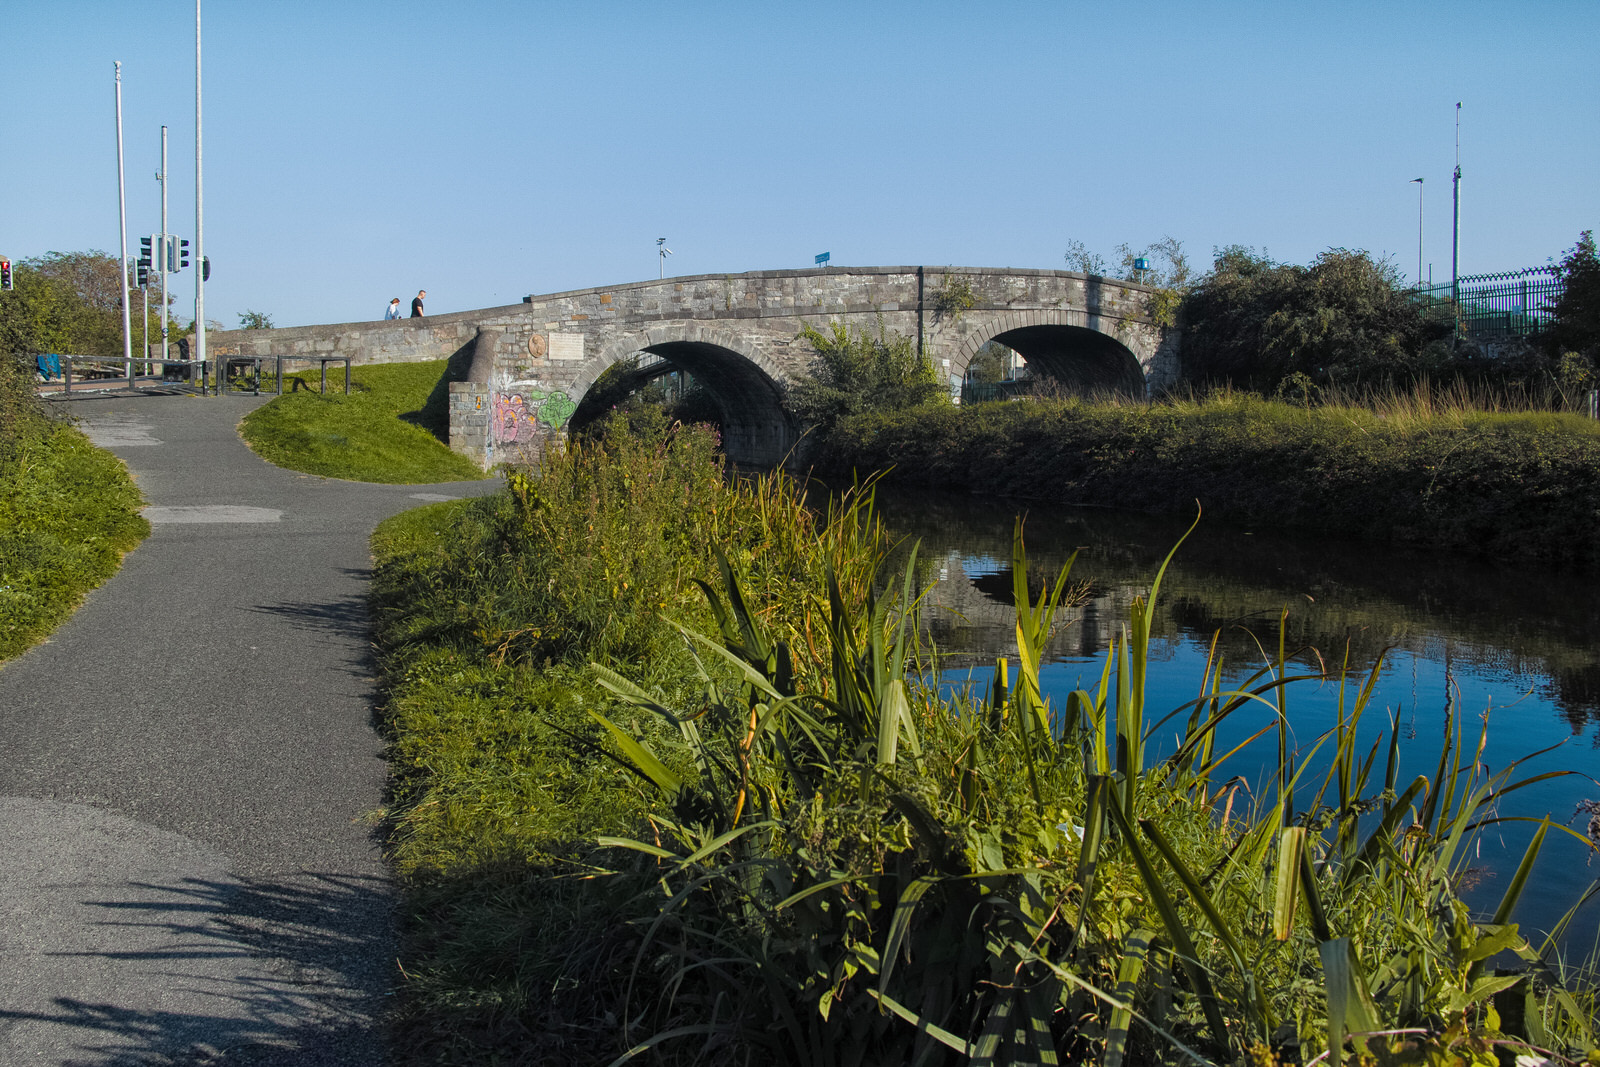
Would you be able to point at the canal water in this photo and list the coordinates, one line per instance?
(1513, 645)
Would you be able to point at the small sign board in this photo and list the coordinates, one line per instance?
(823, 257)
(566, 346)
(1141, 264)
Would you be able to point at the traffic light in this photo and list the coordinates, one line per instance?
(144, 275)
(205, 268)
(183, 253)
(5, 273)
(144, 252)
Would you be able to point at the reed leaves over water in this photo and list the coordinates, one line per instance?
(818, 854)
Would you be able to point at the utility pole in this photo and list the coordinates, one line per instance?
(162, 266)
(122, 214)
(199, 214)
(1455, 240)
(1419, 184)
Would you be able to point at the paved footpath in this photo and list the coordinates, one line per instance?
(187, 871)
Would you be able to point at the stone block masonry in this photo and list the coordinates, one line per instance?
(530, 364)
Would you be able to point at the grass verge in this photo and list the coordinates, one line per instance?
(1506, 484)
(389, 429)
(69, 512)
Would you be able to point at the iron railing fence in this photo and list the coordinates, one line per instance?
(1498, 307)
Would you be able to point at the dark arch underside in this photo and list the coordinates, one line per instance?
(756, 431)
(1081, 359)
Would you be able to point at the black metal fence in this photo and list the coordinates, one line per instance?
(1498, 307)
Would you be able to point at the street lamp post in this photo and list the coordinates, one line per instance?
(663, 251)
(1419, 184)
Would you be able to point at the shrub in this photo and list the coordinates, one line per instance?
(1345, 319)
(1511, 485)
(855, 373)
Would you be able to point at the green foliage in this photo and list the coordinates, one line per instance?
(23, 417)
(953, 296)
(1345, 319)
(66, 302)
(616, 394)
(255, 320)
(486, 612)
(1576, 326)
(856, 372)
(68, 514)
(1512, 485)
(384, 431)
(749, 833)
(1168, 274)
(857, 871)
(990, 363)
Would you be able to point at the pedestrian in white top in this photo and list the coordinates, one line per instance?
(394, 310)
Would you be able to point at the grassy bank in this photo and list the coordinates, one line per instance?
(393, 427)
(1512, 485)
(769, 843)
(68, 514)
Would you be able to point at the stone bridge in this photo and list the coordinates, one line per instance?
(521, 371)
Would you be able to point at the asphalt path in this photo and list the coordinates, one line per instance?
(188, 868)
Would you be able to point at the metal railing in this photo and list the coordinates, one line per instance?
(119, 372)
(1497, 307)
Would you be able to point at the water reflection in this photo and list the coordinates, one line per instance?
(1533, 628)
(1518, 643)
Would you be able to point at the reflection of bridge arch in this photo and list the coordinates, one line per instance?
(1072, 350)
(756, 429)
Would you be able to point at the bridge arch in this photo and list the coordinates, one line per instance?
(1067, 346)
(756, 428)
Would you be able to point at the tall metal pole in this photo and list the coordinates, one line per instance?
(1419, 184)
(199, 211)
(1455, 239)
(162, 265)
(122, 218)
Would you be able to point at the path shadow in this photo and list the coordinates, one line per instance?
(347, 617)
(267, 971)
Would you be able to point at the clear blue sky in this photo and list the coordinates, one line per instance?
(356, 151)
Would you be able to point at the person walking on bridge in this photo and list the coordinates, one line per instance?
(416, 303)
(394, 310)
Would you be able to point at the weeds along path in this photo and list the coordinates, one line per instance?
(185, 867)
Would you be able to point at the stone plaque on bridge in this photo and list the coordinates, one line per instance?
(566, 346)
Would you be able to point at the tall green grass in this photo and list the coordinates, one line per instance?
(993, 880)
(390, 428)
(668, 787)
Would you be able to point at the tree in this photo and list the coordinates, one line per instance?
(990, 363)
(855, 373)
(1576, 324)
(68, 302)
(1346, 318)
(254, 320)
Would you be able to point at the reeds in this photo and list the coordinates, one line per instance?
(860, 872)
(830, 863)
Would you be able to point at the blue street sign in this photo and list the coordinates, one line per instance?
(823, 258)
